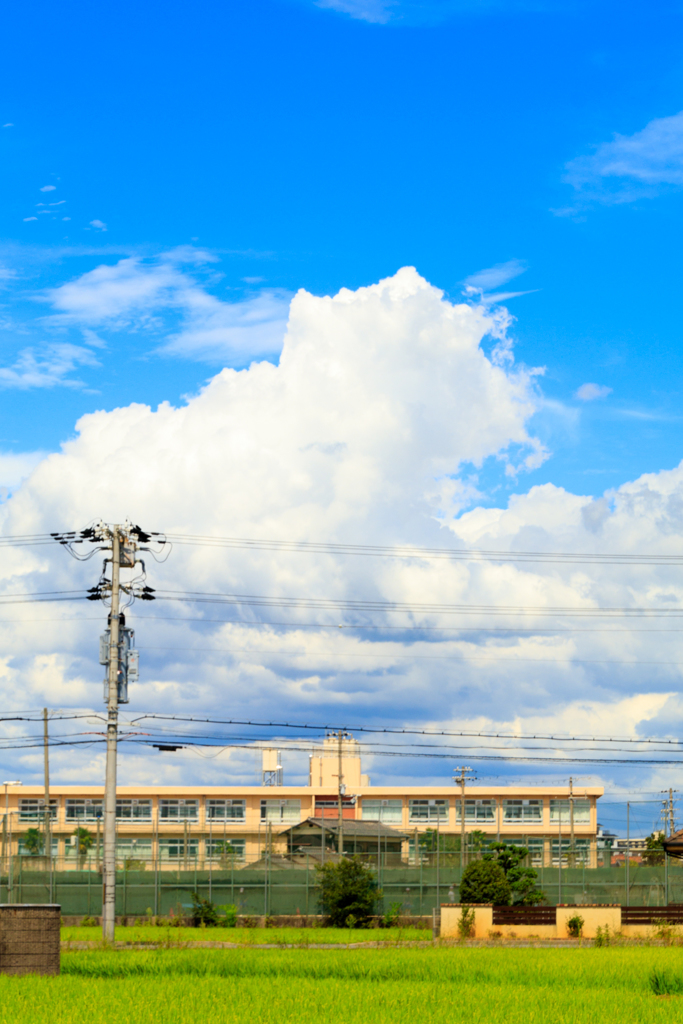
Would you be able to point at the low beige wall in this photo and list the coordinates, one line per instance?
(451, 914)
(593, 918)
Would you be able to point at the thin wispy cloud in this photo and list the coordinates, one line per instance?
(494, 277)
(161, 298)
(630, 167)
(421, 12)
(478, 285)
(48, 367)
(377, 12)
(590, 392)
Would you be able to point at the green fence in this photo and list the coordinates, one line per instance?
(292, 890)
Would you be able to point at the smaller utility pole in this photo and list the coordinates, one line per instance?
(571, 822)
(460, 780)
(340, 794)
(48, 820)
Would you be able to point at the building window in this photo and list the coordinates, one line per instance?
(133, 849)
(174, 849)
(428, 810)
(226, 810)
(179, 810)
(230, 850)
(522, 810)
(133, 810)
(83, 810)
(281, 811)
(580, 853)
(560, 812)
(34, 810)
(388, 811)
(477, 810)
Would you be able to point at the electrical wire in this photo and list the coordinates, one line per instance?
(409, 657)
(400, 606)
(412, 551)
(396, 731)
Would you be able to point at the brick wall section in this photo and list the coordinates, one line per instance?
(29, 938)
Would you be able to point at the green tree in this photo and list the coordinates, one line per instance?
(654, 850)
(34, 841)
(484, 881)
(522, 880)
(84, 842)
(349, 895)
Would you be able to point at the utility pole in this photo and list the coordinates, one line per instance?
(340, 795)
(109, 858)
(121, 659)
(48, 820)
(460, 780)
(571, 822)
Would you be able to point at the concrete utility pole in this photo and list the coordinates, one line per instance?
(109, 853)
(117, 652)
(48, 820)
(571, 822)
(460, 780)
(340, 795)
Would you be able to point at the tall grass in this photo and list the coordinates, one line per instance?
(378, 986)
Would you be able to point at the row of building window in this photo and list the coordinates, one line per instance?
(169, 849)
(135, 810)
(289, 811)
(391, 811)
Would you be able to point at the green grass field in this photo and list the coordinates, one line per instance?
(163, 935)
(378, 986)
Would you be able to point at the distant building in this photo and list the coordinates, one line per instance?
(183, 825)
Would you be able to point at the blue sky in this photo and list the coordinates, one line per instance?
(306, 147)
(173, 177)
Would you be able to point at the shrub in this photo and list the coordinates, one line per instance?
(392, 916)
(484, 881)
(229, 919)
(575, 926)
(466, 923)
(602, 936)
(203, 912)
(348, 890)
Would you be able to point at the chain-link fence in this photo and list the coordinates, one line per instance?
(275, 886)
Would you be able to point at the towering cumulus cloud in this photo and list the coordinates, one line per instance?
(366, 431)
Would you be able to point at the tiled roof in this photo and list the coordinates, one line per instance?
(352, 827)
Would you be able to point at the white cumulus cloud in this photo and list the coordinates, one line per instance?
(365, 432)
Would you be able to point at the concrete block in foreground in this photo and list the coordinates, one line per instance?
(29, 938)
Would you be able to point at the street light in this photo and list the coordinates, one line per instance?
(8, 826)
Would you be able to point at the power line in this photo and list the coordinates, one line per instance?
(375, 550)
(331, 727)
(412, 551)
(200, 597)
(409, 657)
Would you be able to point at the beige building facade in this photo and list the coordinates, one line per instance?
(207, 825)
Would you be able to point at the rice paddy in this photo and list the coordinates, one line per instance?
(391, 985)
